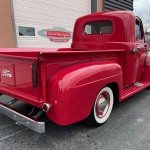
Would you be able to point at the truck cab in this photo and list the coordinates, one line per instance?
(114, 30)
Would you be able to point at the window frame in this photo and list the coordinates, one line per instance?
(139, 23)
(26, 36)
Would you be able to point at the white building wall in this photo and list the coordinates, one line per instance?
(47, 14)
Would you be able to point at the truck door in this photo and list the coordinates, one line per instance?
(140, 50)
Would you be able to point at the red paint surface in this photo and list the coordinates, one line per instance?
(70, 79)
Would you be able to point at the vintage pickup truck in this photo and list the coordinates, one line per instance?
(108, 61)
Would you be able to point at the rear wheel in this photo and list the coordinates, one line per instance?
(102, 107)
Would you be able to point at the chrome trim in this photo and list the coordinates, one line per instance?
(27, 121)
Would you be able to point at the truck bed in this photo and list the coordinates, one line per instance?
(25, 72)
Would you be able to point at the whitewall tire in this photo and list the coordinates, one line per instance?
(102, 107)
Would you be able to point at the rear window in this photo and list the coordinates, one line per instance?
(99, 27)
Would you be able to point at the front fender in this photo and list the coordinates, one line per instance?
(146, 68)
(73, 89)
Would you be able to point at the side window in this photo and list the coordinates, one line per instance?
(26, 31)
(99, 27)
(138, 28)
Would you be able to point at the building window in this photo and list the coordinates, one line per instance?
(100, 27)
(26, 31)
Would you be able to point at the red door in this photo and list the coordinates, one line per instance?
(139, 51)
(134, 56)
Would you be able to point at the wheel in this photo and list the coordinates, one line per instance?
(102, 107)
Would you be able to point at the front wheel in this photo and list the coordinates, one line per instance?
(102, 107)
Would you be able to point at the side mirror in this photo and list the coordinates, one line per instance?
(145, 45)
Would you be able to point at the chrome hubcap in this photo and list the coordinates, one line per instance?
(102, 105)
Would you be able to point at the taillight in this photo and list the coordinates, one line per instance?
(34, 75)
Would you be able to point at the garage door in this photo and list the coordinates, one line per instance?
(47, 23)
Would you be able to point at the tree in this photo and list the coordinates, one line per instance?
(147, 22)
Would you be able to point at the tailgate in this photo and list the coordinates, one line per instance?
(21, 78)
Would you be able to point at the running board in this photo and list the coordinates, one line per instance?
(133, 89)
(25, 120)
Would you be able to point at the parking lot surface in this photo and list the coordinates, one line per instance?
(127, 129)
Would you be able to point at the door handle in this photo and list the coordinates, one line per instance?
(133, 51)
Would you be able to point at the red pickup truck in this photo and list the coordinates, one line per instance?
(108, 61)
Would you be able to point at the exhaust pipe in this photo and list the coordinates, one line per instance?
(46, 107)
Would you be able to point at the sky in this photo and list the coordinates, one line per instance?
(142, 9)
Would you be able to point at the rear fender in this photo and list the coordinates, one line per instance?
(73, 89)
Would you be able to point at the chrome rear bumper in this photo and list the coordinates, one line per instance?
(27, 121)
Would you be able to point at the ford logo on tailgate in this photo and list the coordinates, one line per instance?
(7, 74)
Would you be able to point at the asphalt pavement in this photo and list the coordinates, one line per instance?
(127, 129)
